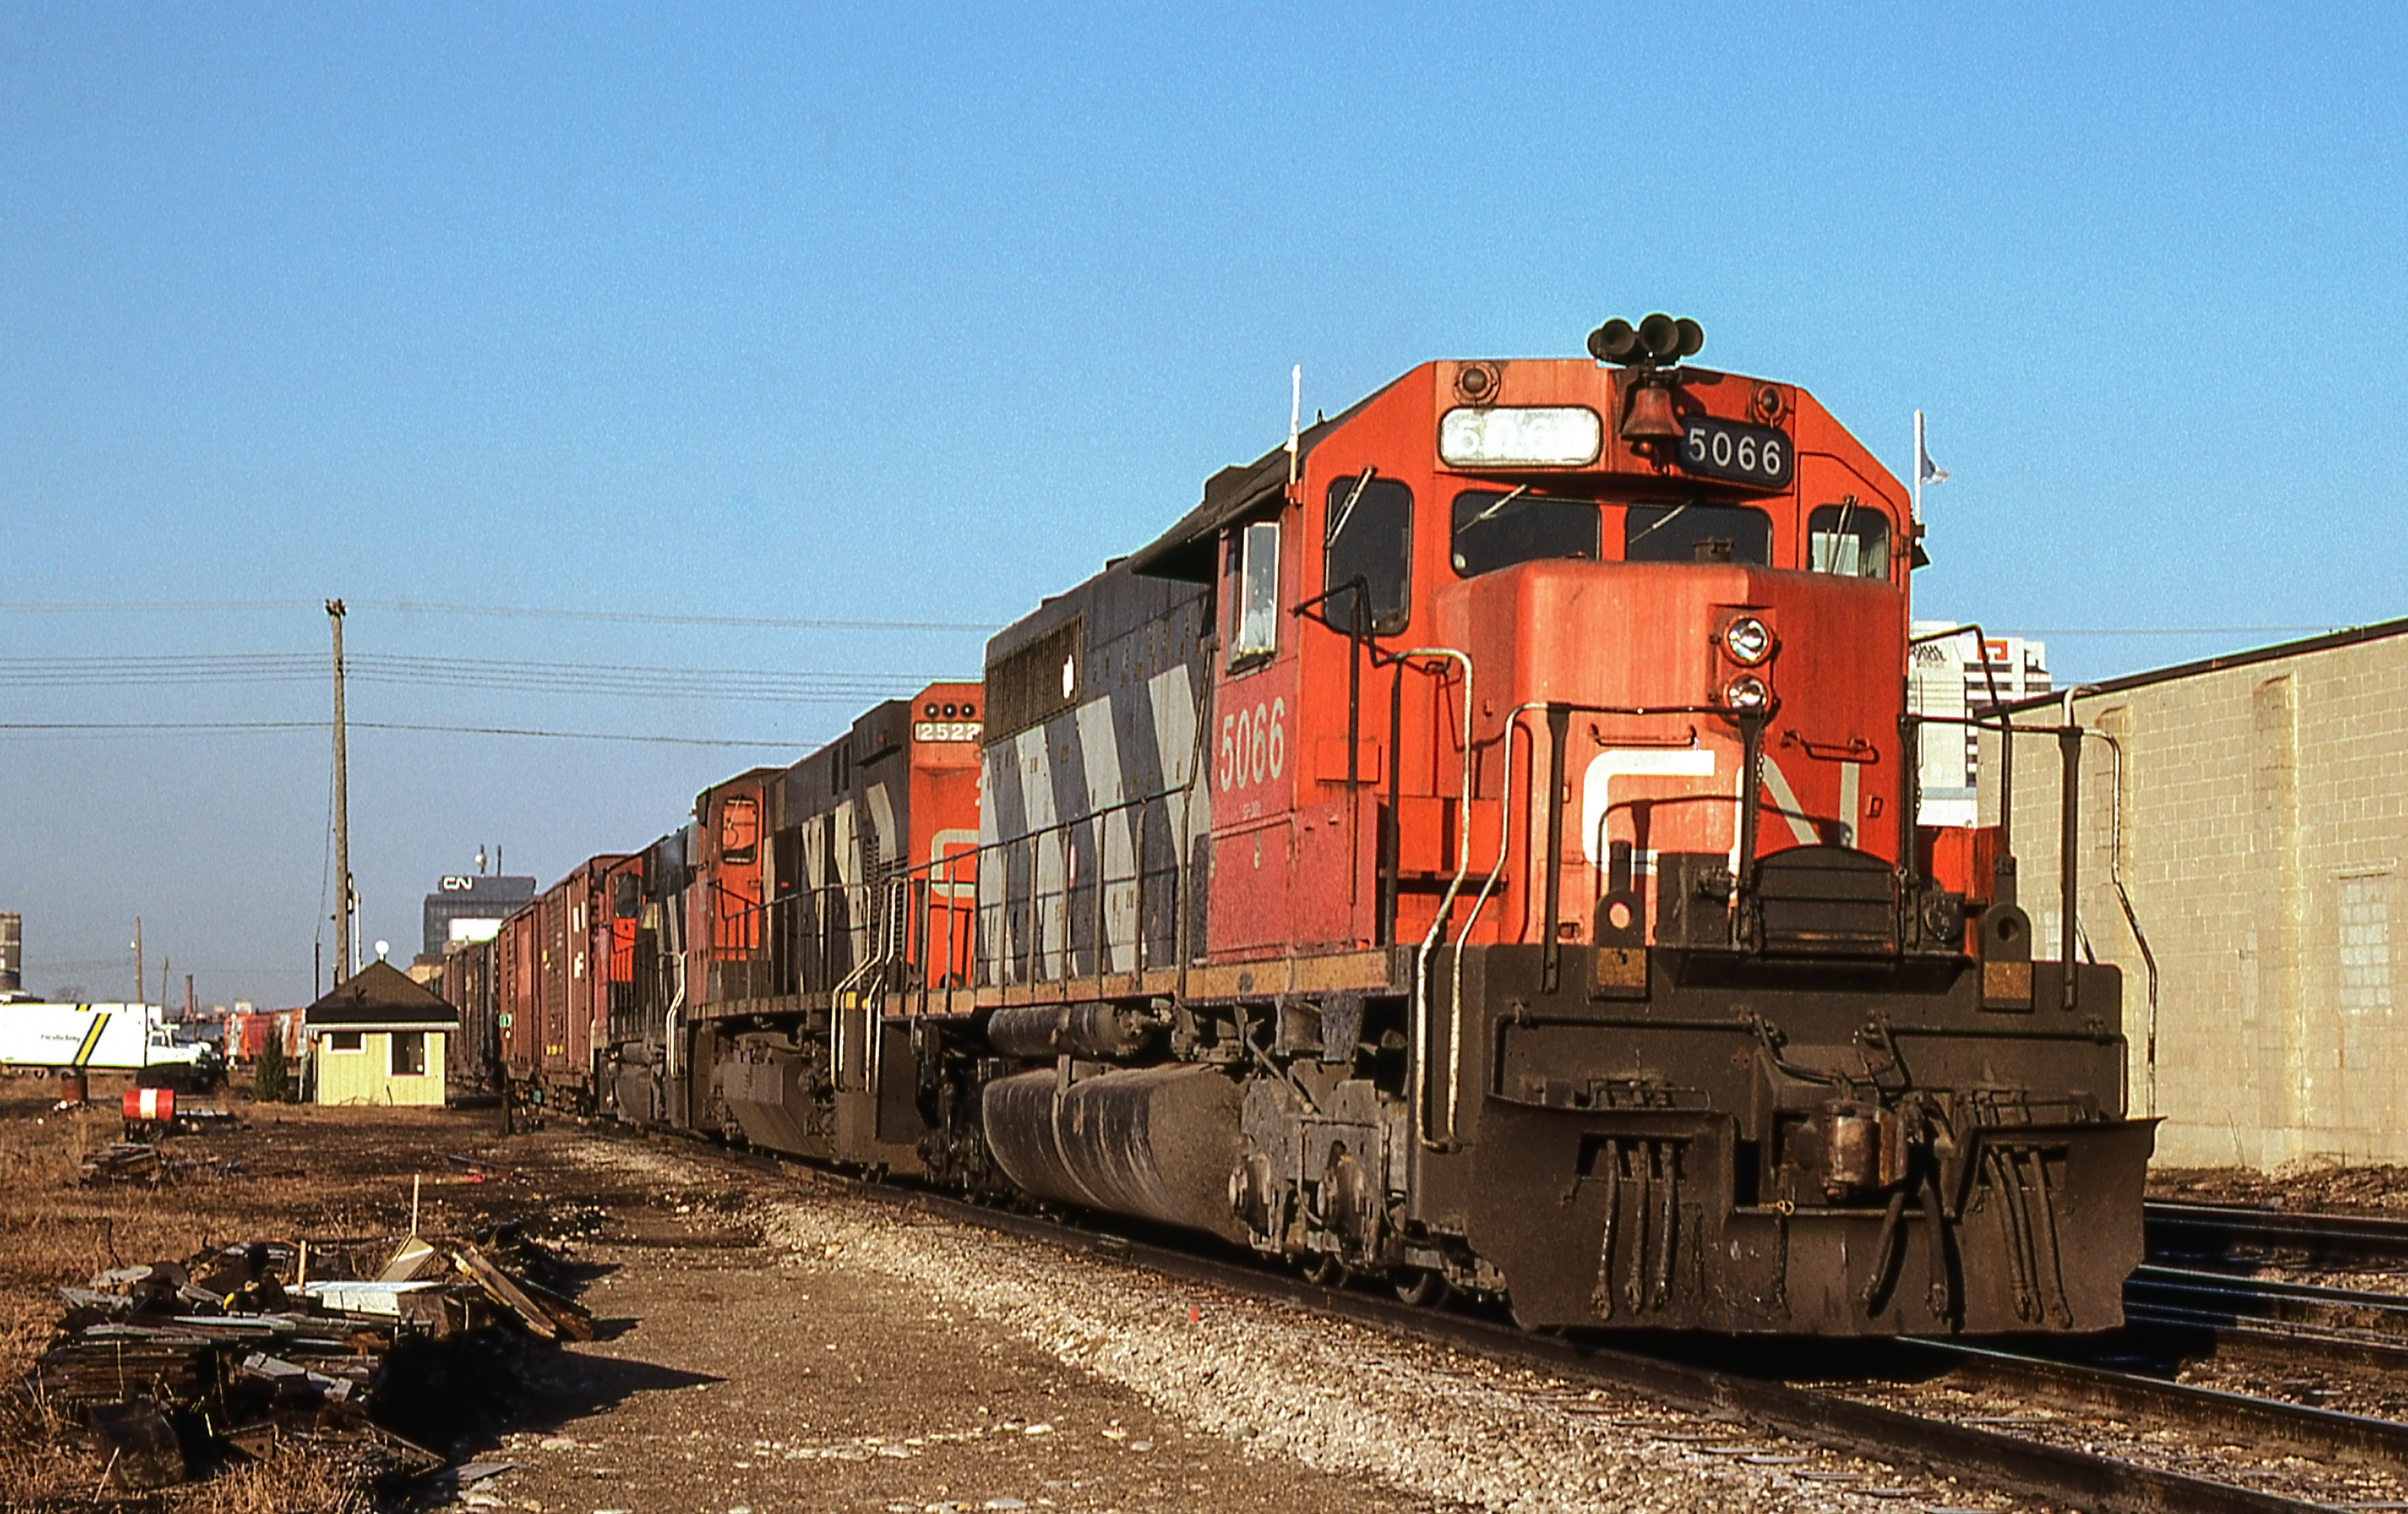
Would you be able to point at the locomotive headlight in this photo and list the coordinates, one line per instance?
(1748, 641)
(1746, 694)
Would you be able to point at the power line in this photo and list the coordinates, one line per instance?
(423, 607)
(643, 617)
(40, 728)
(624, 680)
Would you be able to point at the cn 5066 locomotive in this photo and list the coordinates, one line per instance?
(1474, 847)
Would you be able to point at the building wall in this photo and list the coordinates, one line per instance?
(363, 1077)
(2264, 821)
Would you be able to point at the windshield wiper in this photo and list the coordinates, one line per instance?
(1657, 527)
(1490, 513)
(1346, 511)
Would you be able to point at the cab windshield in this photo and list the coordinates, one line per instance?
(1496, 528)
(1695, 532)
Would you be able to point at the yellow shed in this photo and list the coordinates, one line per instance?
(379, 1039)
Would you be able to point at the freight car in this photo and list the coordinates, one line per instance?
(558, 959)
(1474, 847)
(472, 1064)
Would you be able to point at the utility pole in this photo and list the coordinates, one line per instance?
(346, 954)
(141, 1009)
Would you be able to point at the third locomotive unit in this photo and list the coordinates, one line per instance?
(1474, 847)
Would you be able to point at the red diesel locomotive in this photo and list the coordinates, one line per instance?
(1476, 848)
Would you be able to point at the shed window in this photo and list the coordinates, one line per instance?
(1257, 597)
(1848, 538)
(346, 1040)
(1695, 532)
(1368, 534)
(409, 1054)
(1496, 528)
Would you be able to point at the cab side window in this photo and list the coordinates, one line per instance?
(1254, 593)
(1850, 539)
(740, 829)
(1367, 535)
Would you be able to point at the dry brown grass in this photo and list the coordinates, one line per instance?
(305, 1173)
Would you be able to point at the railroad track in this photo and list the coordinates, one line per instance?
(2201, 1284)
(2216, 1231)
(2047, 1447)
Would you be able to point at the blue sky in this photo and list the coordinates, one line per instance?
(898, 314)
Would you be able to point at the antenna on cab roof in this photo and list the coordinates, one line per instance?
(1294, 412)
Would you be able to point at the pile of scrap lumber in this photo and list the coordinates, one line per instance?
(170, 1368)
(141, 1162)
(130, 1161)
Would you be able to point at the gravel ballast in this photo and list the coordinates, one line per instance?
(1257, 1388)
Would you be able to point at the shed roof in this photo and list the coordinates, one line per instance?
(381, 994)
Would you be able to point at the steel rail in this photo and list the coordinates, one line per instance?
(2260, 1299)
(2267, 1342)
(2193, 1229)
(2303, 1429)
(1895, 1438)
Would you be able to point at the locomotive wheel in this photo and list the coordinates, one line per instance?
(1424, 1288)
(1324, 1270)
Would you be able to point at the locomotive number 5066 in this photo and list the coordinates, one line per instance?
(1254, 746)
(1733, 450)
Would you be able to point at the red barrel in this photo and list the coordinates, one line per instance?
(150, 1104)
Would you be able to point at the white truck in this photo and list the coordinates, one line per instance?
(41, 1039)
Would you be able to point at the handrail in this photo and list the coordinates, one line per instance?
(2124, 898)
(669, 1019)
(1504, 850)
(914, 891)
(1421, 1010)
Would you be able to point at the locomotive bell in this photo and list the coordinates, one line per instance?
(1651, 418)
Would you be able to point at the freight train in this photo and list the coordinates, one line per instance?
(1475, 848)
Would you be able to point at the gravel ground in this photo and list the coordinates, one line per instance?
(2304, 1186)
(782, 1346)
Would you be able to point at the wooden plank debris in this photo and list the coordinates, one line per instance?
(217, 1355)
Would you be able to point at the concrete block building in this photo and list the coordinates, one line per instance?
(379, 1039)
(2247, 817)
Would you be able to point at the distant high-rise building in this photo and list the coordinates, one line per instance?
(1955, 678)
(12, 955)
(472, 907)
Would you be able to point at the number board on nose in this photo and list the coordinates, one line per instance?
(1734, 450)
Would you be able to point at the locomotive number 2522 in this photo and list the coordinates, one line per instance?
(1734, 450)
(1252, 746)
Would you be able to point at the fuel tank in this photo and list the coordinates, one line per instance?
(1154, 1143)
(1106, 1032)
